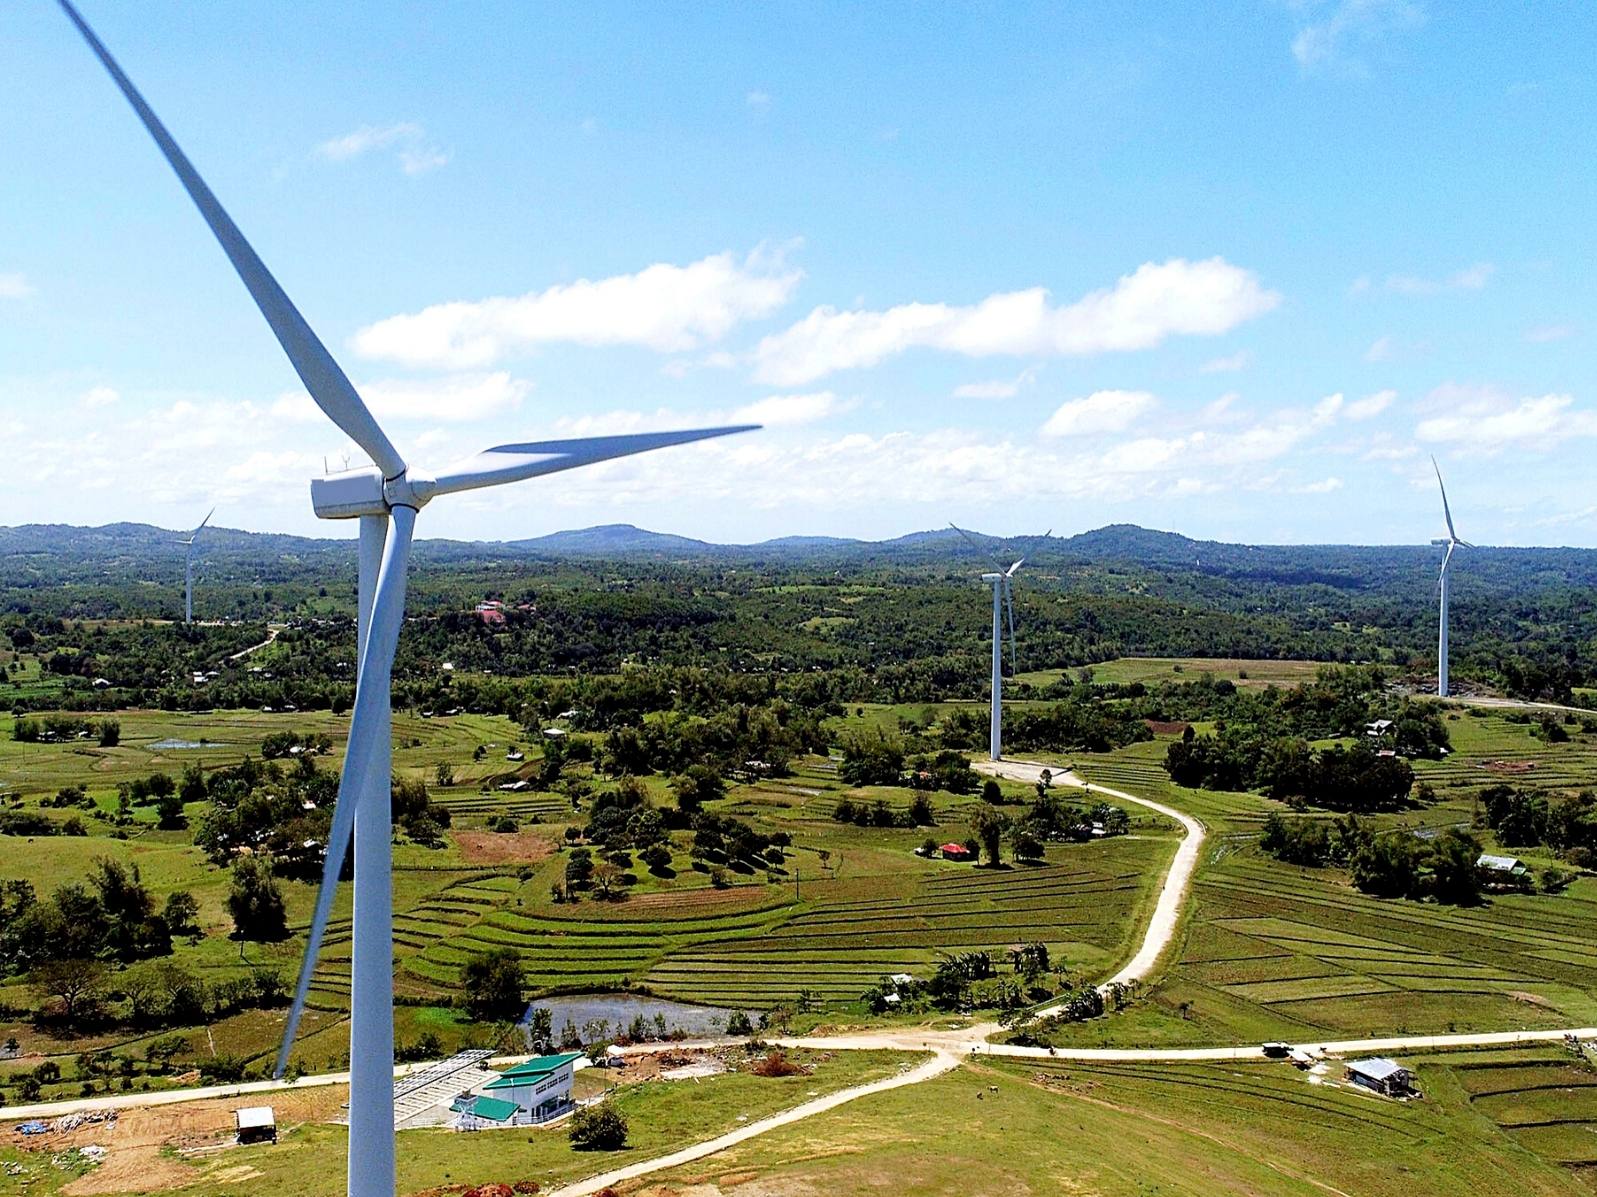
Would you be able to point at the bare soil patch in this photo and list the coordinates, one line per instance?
(498, 847)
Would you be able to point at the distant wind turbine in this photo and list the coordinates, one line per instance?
(386, 498)
(1003, 583)
(188, 568)
(1452, 542)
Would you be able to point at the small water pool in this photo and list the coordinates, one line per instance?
(586, 1011)
(165, 745)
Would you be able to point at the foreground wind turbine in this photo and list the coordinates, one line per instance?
(188, 568)
(386, 498)
(1003, 584)
(1452, 542)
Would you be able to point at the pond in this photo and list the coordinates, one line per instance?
(586, 1010)
(162, 745)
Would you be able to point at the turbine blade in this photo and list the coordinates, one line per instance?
(201, 528)
(512, 463)
(1445, 560)
(980, 548)
(1446, 511)
(322, 376)
(368, 725)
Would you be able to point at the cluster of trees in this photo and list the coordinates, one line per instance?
(54, 729)
(878, 757)
(1392, 864)
(110, 915)
(879, 814)
(1527, 818)
(1074, 726)
(1357, 779)
(1050, 818)
(285, 814)
(971, 980)
(726, 739)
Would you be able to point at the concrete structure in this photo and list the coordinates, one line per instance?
(1383, 1076)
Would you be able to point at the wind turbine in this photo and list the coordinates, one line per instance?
(386, 498)
(1003, 583)
(1452, 542)
(188, 568)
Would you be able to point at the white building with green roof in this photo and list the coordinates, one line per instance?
(539, 1087)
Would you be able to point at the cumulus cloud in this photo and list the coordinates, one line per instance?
(1141, 310)
(998, 388)
(1102, 411)
(663, 307)
(777, 410)
(409, 141)
(1227, 365)
(1487, 420)
(1324, 487)
(14, 286)
(1371, 405)
(1337, 38)
(1546, 333)
(1472, 278)
(99, 397)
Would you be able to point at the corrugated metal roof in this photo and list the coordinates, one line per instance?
(542, 1065)
(1377, 1069)
(254, 1117)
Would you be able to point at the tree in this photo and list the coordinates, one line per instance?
(598, 1128)
(541, 1027)
(443, 774)
(256, 901)
(990, 792)
(1386, 866)
(169, 811)
(580, 867)
(182, 915)
(657, 857)
(987, 825)
(79, 985)
(192, 786)
(493, 984)
(1024, 843)
(110, 733)
(1455, 877)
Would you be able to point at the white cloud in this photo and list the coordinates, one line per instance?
(1177, 297)
(459, 398)
(415, 156)
(1546, 333)
(1482, 419)
(663, 307)
(1371, 405)
(1334, 41)
(778, 410)
(996, 389)
(1319, 488)
(1102, 411)
(1472, 278)
(1227, 365)
(99, 397)
(14, 286)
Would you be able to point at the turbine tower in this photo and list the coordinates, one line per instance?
(1002, 581)
(1452, 542)
(386, 498)
(188, 568)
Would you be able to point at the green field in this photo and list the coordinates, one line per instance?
(1203, 1129)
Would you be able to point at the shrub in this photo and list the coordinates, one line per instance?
(776, 1063)
(493, 986)
(598, 1128)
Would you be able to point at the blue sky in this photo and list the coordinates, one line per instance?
(1235, 271)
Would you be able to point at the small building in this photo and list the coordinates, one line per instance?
(956, 852)
(540, 1087)
(1378, 728)
(255, 1124)
(1383, 1076)
(1502, 867)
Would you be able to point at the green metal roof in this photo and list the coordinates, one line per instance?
(493, 1109)
(542, 1065)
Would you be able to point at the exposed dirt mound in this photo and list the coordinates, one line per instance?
(497, 847)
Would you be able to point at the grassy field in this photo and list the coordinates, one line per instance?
(1151, 670)
(1275, 951)
(1006, 1127)
(310, 1158)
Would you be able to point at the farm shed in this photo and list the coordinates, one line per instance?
(1383, 1076)
(1503, 867)
(255, 1124)
(956, 852)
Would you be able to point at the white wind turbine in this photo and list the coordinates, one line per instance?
(1452, 542)
(188, 568)
(1003, 583)
(386, 497)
